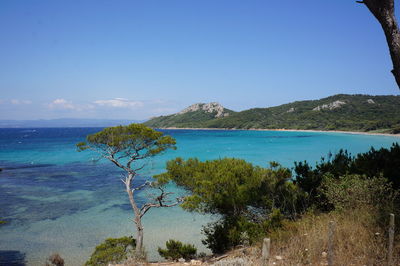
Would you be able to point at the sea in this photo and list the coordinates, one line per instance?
(55, 199)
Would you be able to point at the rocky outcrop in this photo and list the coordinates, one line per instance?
(370, 101)
(212, 107)
(330, 106)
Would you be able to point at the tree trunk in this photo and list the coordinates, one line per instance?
(139, 236)
(136, 211)
(383, 10)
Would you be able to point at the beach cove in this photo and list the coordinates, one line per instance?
(55, 199)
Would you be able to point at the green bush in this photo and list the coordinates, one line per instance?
(112, 250)
(176, 250)
(352, 192)
(244, 196)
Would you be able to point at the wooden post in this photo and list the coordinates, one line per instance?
(331, 247)
(391, 238)
(265, 251)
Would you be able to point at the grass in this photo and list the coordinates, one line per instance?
(357, 241)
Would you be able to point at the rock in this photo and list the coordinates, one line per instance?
(213, 107)
(181, 260)
(331, 106)
(290, 110)
(324, 254)
(195, 262)
(370, 101)
(278, 258)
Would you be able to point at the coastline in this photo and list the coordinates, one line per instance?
(288, 130)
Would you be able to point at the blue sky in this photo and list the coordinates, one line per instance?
(137, 59)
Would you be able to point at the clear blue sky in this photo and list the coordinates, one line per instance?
(136, 59)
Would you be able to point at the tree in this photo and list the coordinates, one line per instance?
(176, 249)
(243, 195)
(383, 10)
(112, 250)
(126, 146)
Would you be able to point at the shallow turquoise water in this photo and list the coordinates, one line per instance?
(56, 199)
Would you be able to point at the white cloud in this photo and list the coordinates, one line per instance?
(119, 103)
(62, 104)
(15, 101)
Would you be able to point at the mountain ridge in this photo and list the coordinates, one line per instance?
(345, 112)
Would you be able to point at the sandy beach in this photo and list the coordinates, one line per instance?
(288, 130)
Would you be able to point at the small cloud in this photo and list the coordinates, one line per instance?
(62, 104)
(119, 103)
(15, 101)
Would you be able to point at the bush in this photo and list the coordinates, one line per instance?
(112, 250)
(55, 259)
(244, 196)
(351, 192)
(383, 162)
(176, 250)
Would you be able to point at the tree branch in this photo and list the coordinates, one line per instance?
(141, 186)
(383, 11)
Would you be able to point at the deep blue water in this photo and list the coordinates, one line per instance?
(56, 199)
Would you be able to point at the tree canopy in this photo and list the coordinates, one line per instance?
(246, 197)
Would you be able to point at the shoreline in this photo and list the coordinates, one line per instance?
(288, 130)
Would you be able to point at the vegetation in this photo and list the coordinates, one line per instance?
(249, 199)
(252, 201)
(360, 206)
(125, 146)
(55, 260)
(112, 250)
(374, 163)
(189, 119)
(359, 113)
(176, 250)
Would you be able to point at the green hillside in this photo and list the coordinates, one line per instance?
(338, 112)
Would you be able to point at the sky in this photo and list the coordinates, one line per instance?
(120, 59)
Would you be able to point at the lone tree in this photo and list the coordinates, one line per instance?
(125, 146)
(383, 10)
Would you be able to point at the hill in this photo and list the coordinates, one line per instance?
(192, 116)
(338, 112)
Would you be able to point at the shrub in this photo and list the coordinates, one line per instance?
(112, 250)
(176, 250)
(55, 259)
(351, 192)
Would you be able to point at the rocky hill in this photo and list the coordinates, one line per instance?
(191, 116)
(338, 112)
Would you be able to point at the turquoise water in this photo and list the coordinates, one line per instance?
(56, 199)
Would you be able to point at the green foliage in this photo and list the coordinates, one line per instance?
(374, 163)
(357, 114)
(355, 191)
(176, 250)
(112, 250)
(135, 141)
(189, 119)
(230, 232)
(244, 195)
(231, 186)
(2, 222)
